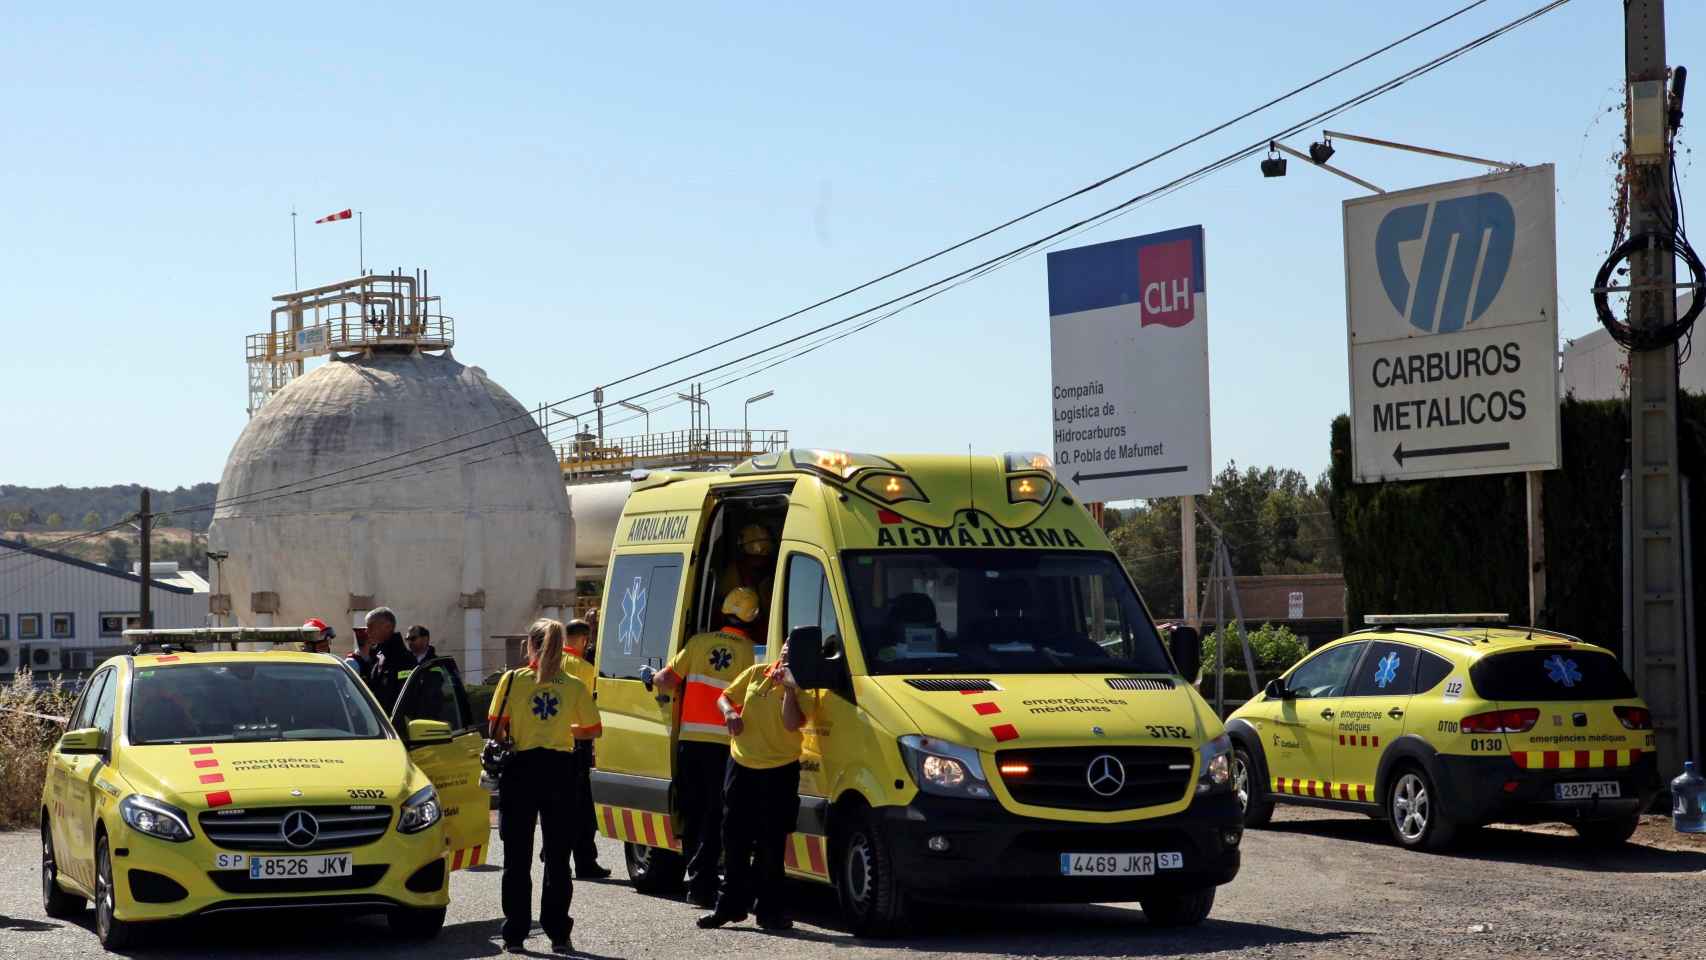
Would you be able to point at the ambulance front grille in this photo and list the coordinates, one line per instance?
(1080, 778)
(262, 828)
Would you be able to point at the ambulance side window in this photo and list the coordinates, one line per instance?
(1325, 674)
(83, 717)
(1431, 670)
(635, 628)
(810, 603)
(1389, 670)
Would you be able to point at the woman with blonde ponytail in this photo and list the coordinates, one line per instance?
(542, 710)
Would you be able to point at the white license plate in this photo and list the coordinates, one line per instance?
(1588, 790)
(1117, 864)
(299, 868)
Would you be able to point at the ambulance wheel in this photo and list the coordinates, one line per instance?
(1413, 810)
(416, 924)
(873, 900)
(1258, 809)
(114, 934)
(653, 871)
(55, 902)
(1178, 910)
(1608, 833)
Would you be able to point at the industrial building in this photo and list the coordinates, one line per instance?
(62, 614)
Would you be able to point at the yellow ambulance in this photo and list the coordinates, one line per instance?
(201, 783)
(1001, 719)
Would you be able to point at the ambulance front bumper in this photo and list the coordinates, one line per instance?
(951, 849)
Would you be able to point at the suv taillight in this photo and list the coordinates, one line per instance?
(1501, 721)
(1635, 718)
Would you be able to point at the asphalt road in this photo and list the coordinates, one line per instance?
(1314, 885)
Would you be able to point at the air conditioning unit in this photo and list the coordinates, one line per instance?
(78, 659)
(40, 658)
(8, 658)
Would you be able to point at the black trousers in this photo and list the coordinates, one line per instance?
(583, 818)
(700, 769)
(537, 786)
(760, 809)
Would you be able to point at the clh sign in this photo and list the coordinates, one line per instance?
(1451, 293)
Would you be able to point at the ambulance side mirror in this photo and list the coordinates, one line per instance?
(1186, 647)
(807, 660)
(1277, 690)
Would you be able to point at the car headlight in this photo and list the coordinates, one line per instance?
(946, 769)
(1216, 764)
(420, 811)
(155, 818)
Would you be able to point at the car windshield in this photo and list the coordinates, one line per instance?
(250, 701)
(999, 611)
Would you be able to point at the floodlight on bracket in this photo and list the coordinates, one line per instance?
(1310, 158)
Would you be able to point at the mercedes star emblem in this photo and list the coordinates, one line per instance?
(296, 793)
(1106, 775)
(300, 829)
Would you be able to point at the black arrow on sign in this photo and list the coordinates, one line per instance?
(1401, 454)
(1081, 477)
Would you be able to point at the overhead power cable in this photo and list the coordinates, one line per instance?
(984, 234)
(932, 289)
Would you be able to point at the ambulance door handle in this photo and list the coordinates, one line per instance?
(1327, 714)
(1395, 713)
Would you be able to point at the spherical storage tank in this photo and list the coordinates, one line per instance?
(470, 542)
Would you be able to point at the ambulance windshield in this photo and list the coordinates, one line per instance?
(248, 701)
(999, 611)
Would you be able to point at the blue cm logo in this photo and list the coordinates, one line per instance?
(1477, 230)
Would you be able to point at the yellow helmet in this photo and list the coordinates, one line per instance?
(742, 604)
(756, 541)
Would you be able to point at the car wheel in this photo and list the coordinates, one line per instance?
(873, 900)
(654, 871)
(1178, 910)
(1252, 798)
(417, 924)
(114, 934)
(1413, 810)
(1608, 833)
(55, 902)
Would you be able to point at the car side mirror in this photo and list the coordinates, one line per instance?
(1186, 647)
(807, 659)
(423, 733)
(1277, 690)
(86, 740)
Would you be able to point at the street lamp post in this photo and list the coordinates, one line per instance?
(697, 399)
(640, 410)
(746, 427)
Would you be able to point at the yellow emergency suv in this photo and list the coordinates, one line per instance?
(1000, 719)
(191, 784)
(1435, 723)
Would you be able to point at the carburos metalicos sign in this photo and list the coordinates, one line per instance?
(1451, 294)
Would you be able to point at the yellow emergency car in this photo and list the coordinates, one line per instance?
(1434, 723)
(1000, 719)
(201, 783)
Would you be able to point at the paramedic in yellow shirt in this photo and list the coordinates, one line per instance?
(542, 710)
(702, 668)
(764, 711)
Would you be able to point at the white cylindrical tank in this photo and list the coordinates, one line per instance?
(469, 543)
(596, 508)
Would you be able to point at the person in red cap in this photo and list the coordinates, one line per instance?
(322, 642)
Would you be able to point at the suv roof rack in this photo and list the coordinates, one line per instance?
(1418, 632)
(183, 640)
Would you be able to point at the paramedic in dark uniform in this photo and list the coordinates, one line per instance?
(764, 710)
(702, 668)
(545, 710)
(578, 663)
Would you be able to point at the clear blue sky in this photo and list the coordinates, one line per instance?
(595, 189)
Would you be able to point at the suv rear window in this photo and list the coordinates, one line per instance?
(1556, 674)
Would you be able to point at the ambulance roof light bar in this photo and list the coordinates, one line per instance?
(181, 639)
(1436, 619)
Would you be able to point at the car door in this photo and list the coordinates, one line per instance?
(809, 601)
(1371, 716)
(434, 692)
(84, 769)
(1299, 747)
(634, 632)
(61, 772)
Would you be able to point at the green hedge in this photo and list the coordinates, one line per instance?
(1460, 544)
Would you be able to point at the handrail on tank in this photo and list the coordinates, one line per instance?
(695, 447)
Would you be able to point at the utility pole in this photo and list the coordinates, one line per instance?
(1658, 632)
(145, 522)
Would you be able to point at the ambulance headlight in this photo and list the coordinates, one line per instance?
(420, 811)
(945, 769)
(155, 818)
(1216, 765)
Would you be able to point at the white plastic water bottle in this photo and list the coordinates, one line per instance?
(1688, 801)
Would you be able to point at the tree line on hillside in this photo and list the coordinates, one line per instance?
(90, 508)
(1275, 522)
